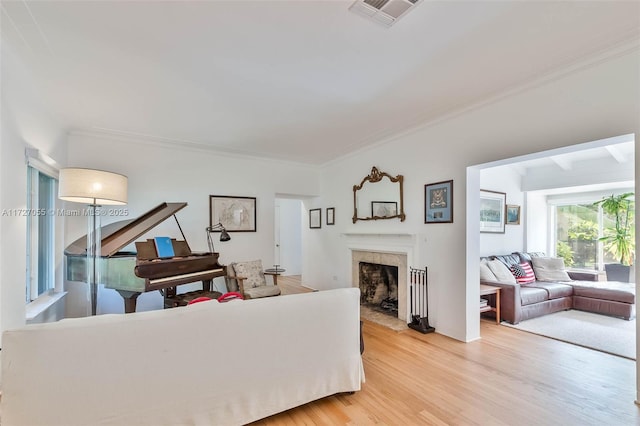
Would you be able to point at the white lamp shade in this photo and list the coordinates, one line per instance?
(92, 186)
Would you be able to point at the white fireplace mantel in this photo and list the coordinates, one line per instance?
(383, 242)
(397, 249)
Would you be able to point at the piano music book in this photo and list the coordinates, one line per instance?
(164, 247)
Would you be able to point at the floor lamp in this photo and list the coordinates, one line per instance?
(95, 188)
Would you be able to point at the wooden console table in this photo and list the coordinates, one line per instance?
(487, 290)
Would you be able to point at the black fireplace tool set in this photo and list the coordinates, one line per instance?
(420, 304)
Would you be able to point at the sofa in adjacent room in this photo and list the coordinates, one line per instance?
(533, 285)
(208, 363)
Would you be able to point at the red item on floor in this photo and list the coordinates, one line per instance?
(232, 295)
(199, 299)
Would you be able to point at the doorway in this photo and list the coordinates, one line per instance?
(288, 234)
(531, 182)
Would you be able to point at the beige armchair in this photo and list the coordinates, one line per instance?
(248, 278)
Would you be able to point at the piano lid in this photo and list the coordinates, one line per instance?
(118, 234)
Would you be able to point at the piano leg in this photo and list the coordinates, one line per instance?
(169, 295)
(207, 285)
(129, 300)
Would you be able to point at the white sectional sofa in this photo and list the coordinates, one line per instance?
(208, 363)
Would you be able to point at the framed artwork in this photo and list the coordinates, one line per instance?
(315, 218)
(236, 214)
(513, 214)
(384, 208)
(331, 213)
(438, 202)
(492, 211)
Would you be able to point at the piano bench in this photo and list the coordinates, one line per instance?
(183, 299)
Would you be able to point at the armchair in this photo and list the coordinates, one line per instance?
(248, 278)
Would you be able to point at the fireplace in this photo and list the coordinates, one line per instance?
(379, 287)
(390, 272)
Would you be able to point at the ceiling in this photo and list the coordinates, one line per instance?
(304, 81)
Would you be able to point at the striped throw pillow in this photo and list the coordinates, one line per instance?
(523, 273)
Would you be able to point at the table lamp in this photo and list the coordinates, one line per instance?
(224, 235)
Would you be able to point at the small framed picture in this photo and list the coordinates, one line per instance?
(315, 218)
(384, 209)
(513, 214)
(331, 220)
(438, 202)
(492, 210)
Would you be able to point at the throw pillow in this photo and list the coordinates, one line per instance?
(485, 272)
(549, 269)
(501, 271)
(523, 273)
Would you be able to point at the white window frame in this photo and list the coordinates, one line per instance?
(39, 163)
(554, 201)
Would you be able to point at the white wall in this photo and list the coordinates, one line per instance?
(157, 173)
(593, 103)
(502, 179)
(537, 218)
(24, 122)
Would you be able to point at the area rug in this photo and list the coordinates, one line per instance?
(600, 332)
(389, 321)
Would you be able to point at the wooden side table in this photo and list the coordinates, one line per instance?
(486, 290)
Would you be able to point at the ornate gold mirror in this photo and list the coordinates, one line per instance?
(379, 196)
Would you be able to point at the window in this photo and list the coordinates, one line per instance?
(578, 227)
(41, 204)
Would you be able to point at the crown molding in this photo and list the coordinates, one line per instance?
(169, 143)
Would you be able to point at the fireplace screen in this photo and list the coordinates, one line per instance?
(379, 287)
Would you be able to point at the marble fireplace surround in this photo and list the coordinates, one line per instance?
(384, 249)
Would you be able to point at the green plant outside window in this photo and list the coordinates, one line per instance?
(578, 233)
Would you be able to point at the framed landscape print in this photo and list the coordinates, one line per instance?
(236, 214)
(513, 214)
(492, 211)
(438, 202)
(315, 218)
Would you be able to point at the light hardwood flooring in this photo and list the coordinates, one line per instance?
(290, 284)
(505, 378)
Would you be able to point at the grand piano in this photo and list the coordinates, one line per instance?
(133, 273)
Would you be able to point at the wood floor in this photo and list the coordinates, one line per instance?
(506, 378)
(290, 284)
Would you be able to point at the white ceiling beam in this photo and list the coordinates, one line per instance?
(616, 154)
(562, 162)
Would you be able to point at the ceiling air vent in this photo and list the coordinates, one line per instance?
(385, 12)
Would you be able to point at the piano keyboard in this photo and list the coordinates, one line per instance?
(193, 274)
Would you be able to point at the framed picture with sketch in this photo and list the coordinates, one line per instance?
(236, 214)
